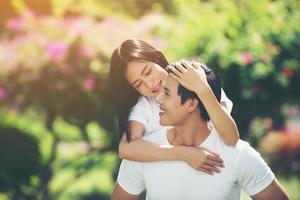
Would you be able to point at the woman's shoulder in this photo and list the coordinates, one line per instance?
(146, 101)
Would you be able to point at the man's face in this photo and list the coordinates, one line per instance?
(172, 112)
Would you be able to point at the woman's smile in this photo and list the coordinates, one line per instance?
(157, 88)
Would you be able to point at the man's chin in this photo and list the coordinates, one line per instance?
(164, 122)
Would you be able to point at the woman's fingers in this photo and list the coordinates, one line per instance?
(175, 76)
(175, 71)
(180, 67)
(214, 169)
(196, 65)
(205, 170)
(215, 158)
(185, 64)
(215, 163)
(212, 153)
(210, 169)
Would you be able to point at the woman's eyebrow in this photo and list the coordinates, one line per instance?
(144, 69)
(142, 72)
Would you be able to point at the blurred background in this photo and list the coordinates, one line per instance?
(58, 134)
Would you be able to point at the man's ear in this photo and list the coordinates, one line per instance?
(192, 105)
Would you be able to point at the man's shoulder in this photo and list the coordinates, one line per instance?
(241, 145)
(231, 151)
(240, 152)
(238, 147)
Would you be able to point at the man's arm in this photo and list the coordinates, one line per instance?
(256, 177)
(130, 181)
(274, 191)
(120, 194)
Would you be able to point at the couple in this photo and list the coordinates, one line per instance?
(188, 117)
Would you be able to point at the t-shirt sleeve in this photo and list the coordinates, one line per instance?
(253, 173)
(226, 100)
(130, 177)
(139, 112)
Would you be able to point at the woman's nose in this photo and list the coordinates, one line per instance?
(149, 83)
(158, 99)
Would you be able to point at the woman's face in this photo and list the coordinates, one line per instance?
(146, 77)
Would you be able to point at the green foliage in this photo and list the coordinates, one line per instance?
(56, 67)
(292, 186)
(20, 160)
(252, 44)
(82, 175)
(101, 8)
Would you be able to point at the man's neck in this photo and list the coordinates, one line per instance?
(192, 132)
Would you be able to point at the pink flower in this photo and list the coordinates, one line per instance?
(28, 14)
(77, 26)
(89, 83)
(274, 142)
(87, 51)
(56, 51)
(288, 72)
(247, 58)
(110, 22)
(15, 24)
(3, 94)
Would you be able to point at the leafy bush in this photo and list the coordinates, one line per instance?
(254, 45)
(20, 160)
(281, 147)
(60, 65)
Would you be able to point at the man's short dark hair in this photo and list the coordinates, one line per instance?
(214, 83)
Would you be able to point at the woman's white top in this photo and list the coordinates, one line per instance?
(146, 111)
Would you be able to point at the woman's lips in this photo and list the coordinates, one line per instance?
(157, 87)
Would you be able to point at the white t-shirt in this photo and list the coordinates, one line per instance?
(176, 180)
(146, 111)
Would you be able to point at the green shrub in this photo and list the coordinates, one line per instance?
(20, 160)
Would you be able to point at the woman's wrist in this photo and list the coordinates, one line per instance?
(181, 152)
(203, 90)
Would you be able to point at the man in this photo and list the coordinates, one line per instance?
(175, 180)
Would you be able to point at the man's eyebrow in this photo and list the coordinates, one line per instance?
(134, 82)
(166, 89)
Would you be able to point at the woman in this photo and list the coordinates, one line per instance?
(137, 75)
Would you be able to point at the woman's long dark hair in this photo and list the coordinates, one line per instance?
(124, 96)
